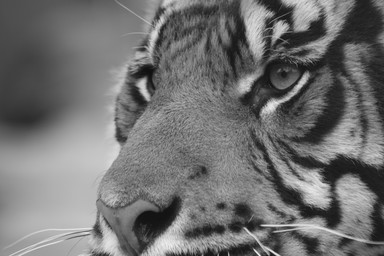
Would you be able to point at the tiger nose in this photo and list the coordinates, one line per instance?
(130, 223)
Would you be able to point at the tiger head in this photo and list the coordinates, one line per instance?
(250, 127)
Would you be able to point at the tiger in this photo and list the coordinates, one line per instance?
(249, 127)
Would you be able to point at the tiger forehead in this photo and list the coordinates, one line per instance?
(265, 21)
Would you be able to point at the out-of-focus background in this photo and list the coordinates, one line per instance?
(55, 63)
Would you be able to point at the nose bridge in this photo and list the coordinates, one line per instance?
(160, 152)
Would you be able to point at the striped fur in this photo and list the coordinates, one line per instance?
(197, 123)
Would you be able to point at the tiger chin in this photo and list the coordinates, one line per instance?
(250, 127)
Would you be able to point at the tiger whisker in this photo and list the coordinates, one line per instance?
(281, 16)
(272, 251)
(43, 231)
(129, 10)
(133, 33)
(50, 239)
(257, 253)
(277, 38)
(73, 247)
(257, 240)
(295, 227)
(288, 230)
(49, 244)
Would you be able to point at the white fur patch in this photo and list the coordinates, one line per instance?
(141, 84)
(254, 16)
(110, 242)
(278, 30)
(245, 84)
(304, 13)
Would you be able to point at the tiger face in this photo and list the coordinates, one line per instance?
(250, 127)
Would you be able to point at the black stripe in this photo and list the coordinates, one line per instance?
(185, 47)
(378, 222)
(208, 43)
(282, 12)
(197, 30)
(292, 197)
(316, 31)
(287, 195)
(331, 115)
(287, 163)
(364, 23)
(200, 11)
(287, 106)
(139, 70)
(94, 253)
(160, 12)
(311, 244)
(305, 162)
(237, 36)
(371, 176)
(360, 106)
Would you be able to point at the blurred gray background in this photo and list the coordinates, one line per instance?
(55, 63)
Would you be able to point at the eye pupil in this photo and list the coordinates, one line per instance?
(283, 73)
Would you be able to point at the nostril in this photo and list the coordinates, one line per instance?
(150, 225)
(138, 224)
(122, 220)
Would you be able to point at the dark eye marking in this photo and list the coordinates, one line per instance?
(139, 70)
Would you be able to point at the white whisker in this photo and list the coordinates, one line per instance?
(37, 248)
(257, 253)
(257, 240)
(43, 231)
(281, 16)
(133, 33)
(288, 230)
(46, 245)
(73, 247)
(294, 227)
(50, 239)
(277, 38)
(273, 252)
(129, 10)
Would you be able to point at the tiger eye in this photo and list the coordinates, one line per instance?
(284, 76)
